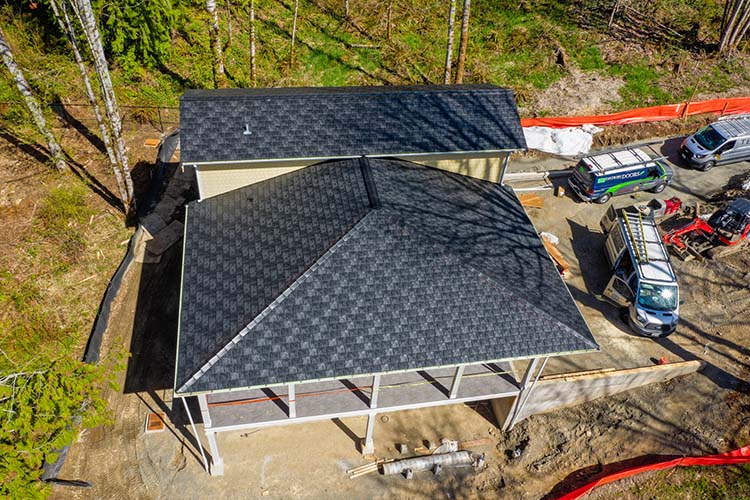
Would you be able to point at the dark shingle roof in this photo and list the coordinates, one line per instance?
(300, 278)
(346, 121)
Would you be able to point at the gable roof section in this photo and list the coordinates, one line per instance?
(449, 270)
(336, 122)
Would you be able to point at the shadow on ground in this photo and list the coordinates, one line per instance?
(154, 339)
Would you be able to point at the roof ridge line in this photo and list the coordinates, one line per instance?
(270, 307)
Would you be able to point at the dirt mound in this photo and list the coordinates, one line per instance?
(579, 93)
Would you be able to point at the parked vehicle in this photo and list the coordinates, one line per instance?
(725, 232)
(643, 280)
(724, 141)
(598, 178)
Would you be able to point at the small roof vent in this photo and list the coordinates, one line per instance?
(246, 130)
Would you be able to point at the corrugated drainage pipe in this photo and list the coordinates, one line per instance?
(428, 462)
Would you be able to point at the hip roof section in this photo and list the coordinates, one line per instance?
(229, 125)
(358, 267)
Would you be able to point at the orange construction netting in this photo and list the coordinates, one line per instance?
(731, 106)
(739, 456)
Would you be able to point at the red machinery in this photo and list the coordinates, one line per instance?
(723, 233)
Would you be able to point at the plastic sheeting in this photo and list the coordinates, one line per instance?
(570, 141)
(731, 106)
(739, 456)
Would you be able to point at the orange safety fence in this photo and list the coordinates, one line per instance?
(731, 106)
(739, 456)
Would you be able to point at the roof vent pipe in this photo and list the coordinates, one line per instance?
(247, 130)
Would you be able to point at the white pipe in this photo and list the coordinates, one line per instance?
(195, 434)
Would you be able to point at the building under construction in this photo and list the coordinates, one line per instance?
(355, 252)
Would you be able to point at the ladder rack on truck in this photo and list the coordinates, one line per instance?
(646, 244)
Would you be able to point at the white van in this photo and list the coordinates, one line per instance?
(642, 279)
(724, 141)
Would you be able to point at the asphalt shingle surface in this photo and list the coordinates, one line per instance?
(346, 121)
(449, 270)
(245, 247)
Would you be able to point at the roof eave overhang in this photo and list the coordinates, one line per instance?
(316, 159)
(177, 393)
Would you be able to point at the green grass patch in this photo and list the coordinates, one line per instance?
(642, 86)
(698, 483)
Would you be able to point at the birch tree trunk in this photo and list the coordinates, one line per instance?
(33, 105)
(449, 48)
(85, 14)
(215, 38)
(346, 8)
(253, 68)
(63, 20)
(463, 43)
(294, 32)
(735, 23)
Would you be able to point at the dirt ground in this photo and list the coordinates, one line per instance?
(542, 457)
(580, 93)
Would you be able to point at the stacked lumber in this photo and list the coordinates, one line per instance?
(562, 265)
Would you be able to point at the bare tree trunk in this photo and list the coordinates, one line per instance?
(85, 14)
(253, 68)
(734, 25)
(31, 102)
(449, 48)
(294, 32)
(346, 8)
(740, 29)
(63, 20)
(463, 43)
(215, 36)
(388, 15)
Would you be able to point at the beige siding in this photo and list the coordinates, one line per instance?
(486, 168)
(217, 179)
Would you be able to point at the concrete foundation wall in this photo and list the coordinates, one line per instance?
(559, 391)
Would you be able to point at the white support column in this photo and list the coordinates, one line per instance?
(375, 390)
(456, 381)
(292, 402)
(217, 463)
(195, 434)
(368, 447)
(505, 168)
(205, 414)
(524, 393)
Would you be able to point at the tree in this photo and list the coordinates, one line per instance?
(136, 32)
(60, 11)
(43, 408)
(463, 42)
(215, 38)
(85, 14)
(36, 111)
(449, 48)
(253, 68)
(734, 25)
(294, 32)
